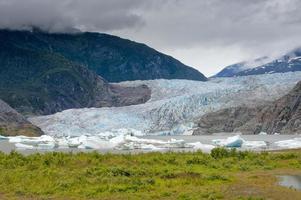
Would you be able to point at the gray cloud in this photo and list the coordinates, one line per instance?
(207, 34)
(222, 31)
(219, 22)
(65, 15)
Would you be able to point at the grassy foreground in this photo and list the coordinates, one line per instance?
(223, 174)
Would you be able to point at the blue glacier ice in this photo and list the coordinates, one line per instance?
(173, 108)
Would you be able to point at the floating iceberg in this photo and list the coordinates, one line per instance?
(254, 144)
(45, 146)
(128, 142)
(31, 140)
(124, 141)
(42, 142)
(238, 142)
(95, 142)
(41, 146)
(24, 146)
(76, 141)
(201, 146)
(131, 143)
(234, 141)
(289, 144)
(3, 137)
(62, 143)
(141, 146)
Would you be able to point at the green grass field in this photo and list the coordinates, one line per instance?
(223, 174)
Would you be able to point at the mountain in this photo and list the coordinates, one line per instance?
(12, 123)
(34, 81)
(289, 62)
(113, 58)
(282, 116)
(233, 70)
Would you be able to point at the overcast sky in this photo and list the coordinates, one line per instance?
(205, 34)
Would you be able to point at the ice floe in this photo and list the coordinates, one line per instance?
(95, 142)
(289, 144)
(129, 142)
(254, 144)
(201, 146)
(3, 138)
(238, 142)
(124, 140)
(23, 146)
(234, 141)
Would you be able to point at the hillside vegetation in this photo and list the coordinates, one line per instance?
(40, 82)
(113, 58)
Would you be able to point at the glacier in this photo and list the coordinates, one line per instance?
(173, 108)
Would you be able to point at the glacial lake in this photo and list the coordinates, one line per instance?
(290, 181)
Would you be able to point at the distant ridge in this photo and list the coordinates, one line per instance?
(289, 62)
(113, 58)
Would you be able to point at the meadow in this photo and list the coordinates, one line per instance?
(222, 174)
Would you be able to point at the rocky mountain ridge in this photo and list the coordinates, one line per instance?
(282, 116)
(289, 62)
(13, 123)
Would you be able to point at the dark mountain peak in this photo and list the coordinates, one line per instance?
(43, 73)
(111, 57)
(42, 82)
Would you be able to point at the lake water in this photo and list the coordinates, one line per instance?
(290, 181)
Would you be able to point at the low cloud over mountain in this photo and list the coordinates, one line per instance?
(196, 32)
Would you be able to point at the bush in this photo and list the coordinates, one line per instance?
(219, 153)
